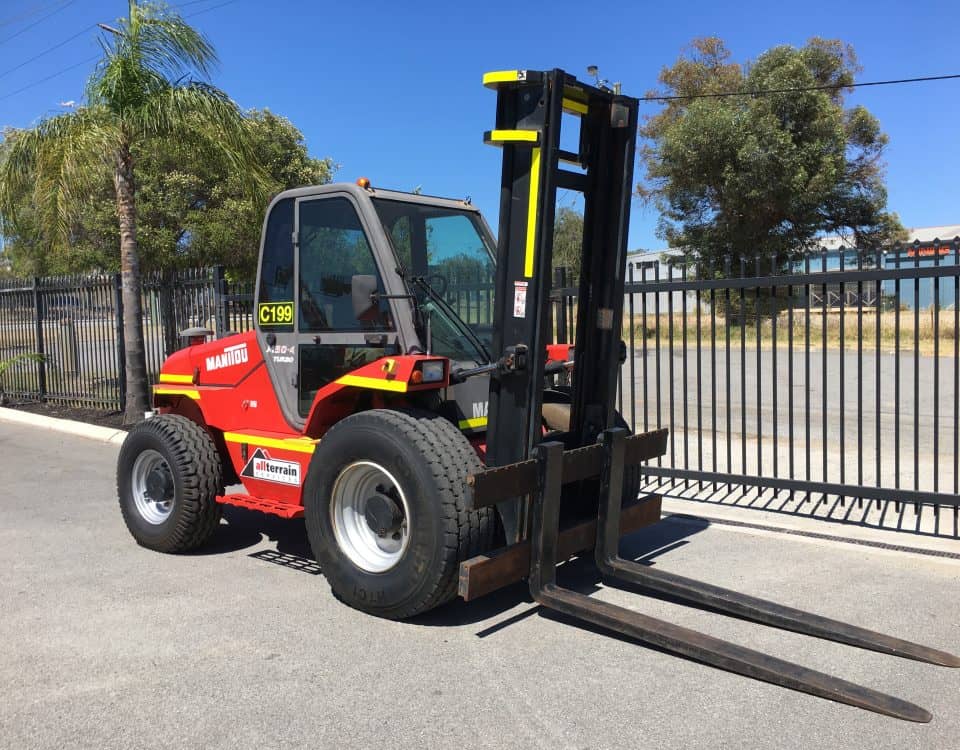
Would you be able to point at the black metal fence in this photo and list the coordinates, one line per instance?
(811, 378)
(798, 378)
(75, 322)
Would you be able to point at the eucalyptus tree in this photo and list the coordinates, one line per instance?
(152, 81)
(766, 157)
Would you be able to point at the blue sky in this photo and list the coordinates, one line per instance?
(391, 90)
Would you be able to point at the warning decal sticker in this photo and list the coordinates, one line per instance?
(519, 299)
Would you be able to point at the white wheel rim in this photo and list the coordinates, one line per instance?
(356, 484)
(151, 483)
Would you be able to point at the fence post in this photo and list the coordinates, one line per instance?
(121, 342)
(168, 321)
(38, 334)
(561, 282)
(220, 300)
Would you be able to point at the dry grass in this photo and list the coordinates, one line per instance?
(925, 330)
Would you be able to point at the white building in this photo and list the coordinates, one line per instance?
(651, 266)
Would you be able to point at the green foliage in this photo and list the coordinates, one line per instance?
(567, 238)
(192, 208)
(6, 364)
(191, 149)
(765, 174)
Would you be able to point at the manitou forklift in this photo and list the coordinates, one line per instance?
(430, 456)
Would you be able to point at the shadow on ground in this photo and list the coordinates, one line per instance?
(579, 574)
(288, 547)
(916, 520)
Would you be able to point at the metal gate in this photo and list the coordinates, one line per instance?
(837, 374)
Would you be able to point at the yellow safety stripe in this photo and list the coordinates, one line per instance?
(189, 392)
(166, 377)
(503, 76)
(299, 445)
(397, 386)
(574, 107)
(532, 213)
(472, 424)
(512, 136)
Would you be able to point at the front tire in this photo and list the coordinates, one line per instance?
(385, 511)
(168, 477)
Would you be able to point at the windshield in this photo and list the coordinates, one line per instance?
(452, 251)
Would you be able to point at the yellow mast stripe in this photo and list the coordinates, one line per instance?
(571, 105)
(529, 136)
(532, 213)
(471, 424)
(166, 377)
(500, 76)
(189, 392)
(397, 386)
(299, 445)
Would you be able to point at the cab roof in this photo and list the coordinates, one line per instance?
(374, 192)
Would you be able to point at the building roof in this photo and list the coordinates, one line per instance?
(929, 234)
(924, 235)
(914, 234)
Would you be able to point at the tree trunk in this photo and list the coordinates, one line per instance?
(136, 365)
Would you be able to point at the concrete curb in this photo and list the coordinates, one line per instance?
(80, 429)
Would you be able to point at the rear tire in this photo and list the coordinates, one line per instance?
(168, 477)
(405, 559)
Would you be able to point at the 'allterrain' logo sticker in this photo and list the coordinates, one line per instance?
(261, 466)
(232, 355)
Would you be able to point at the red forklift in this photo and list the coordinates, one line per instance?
(429, 456)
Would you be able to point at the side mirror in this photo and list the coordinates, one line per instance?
(362, 289)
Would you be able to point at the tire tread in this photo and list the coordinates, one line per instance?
(201, 475)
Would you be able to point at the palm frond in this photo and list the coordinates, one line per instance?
(6, 364)
(55, 161)
(154, 46)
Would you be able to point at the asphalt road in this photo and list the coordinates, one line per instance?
(915, 418)
(104, 644)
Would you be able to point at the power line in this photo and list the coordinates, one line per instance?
(47, 78)
(39, 20)
(82, 31)
(797, 89)
(204, 10)
(192, 2)
(95, 57)
(24, 15)
(85, 29)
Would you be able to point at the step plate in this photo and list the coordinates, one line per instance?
(272, 507)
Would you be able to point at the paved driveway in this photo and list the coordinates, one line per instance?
(104, 644)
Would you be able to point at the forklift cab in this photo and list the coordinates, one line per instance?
(350, 274)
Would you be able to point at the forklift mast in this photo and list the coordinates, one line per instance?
(526, 474)
(530, 117)
(529, 120)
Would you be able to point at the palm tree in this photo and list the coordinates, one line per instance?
(150, 82)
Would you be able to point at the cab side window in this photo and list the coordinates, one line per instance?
(334, 249)
(276, 270)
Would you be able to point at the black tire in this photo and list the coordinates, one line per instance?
(430, 459)
(190, 474)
